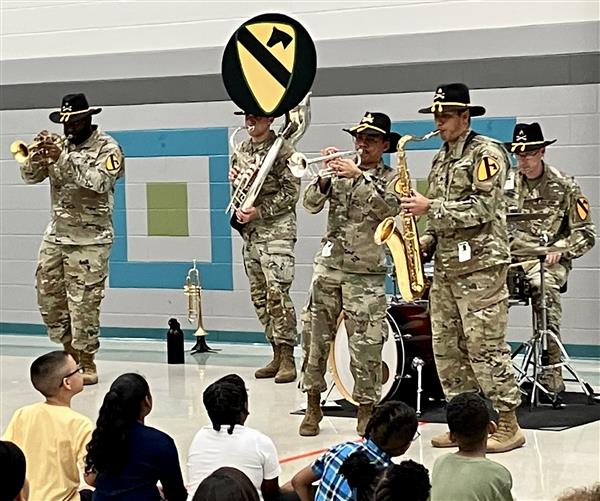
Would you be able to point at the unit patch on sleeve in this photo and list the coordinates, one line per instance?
(583, 208)
(488, 167)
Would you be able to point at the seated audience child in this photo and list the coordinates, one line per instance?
(467, 474)
(226, 484)
(389, 433)
(12, 465)
(51, 434)
(229, 443)
(407, 481)
(126, 459)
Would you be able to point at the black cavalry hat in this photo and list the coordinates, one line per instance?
(527, 137)
(453, 97)
(377, 123)
(74, 107)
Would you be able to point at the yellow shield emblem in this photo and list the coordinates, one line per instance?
(267, 52)
(113, 162)
(488, 167)
(583, 208)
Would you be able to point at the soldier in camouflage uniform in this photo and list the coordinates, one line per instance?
(566, 222)
(349, 272)
(73, 258)
(466, 228)
(269, 236)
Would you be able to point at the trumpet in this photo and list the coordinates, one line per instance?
(300, 165)
(22, 151)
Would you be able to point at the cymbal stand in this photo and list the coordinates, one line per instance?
(536, 353)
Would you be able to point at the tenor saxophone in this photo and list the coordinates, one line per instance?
(404, 246)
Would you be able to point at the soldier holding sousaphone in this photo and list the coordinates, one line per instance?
(268, 67)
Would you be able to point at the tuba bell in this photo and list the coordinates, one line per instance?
(404, 246)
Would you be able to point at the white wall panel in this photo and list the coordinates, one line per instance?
(108, 27)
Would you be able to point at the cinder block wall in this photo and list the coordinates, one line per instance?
(158, 81)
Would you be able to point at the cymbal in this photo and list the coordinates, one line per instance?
(537, 251)
(524, 216)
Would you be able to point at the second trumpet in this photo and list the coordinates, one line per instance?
(299, 164)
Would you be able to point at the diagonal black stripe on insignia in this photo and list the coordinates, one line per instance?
(263, 56)
(488, 170)
(582, 204)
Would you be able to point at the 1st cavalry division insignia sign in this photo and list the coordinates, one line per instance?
(583, 208)
(488, 167)
(269, 65)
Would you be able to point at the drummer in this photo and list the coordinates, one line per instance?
(565, 224)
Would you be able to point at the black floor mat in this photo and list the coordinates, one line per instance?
(576, 412)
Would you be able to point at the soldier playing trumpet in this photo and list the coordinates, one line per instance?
(349, 271)
(73, 257)
(269, 234)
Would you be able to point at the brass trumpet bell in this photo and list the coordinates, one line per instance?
(300, 165)
(20, 151)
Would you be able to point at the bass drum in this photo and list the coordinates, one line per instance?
(408, 344)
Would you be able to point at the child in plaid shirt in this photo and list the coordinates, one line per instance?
(389, 433)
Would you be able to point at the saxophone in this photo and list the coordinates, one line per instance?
(404, 246)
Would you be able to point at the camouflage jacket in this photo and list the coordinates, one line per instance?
(566, 221)
(466, 223)
(277, 199)
(82, 184)
(356, 207)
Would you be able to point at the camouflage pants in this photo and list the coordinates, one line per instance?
(469, 316)
(270, 270)
(362, 299)
(70, 286)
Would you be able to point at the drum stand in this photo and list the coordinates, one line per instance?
(536, 354)
(417, 363)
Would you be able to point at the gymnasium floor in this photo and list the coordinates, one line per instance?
(548, 464)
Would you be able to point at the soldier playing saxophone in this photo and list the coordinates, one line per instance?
(466, 224)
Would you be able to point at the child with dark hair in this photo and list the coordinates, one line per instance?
(229, 443)
(226, 484)
(467, 474)
(407, 481)
(388, 434)
(126, 459)
(53, 436)
(13, 467)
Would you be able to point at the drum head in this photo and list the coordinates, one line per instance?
(392, 361)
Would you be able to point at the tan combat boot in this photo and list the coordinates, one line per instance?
(443, 440)
(362, 418)
(287, 365)
(508, 436)
(313, 416)
(272, 367)
(68, 348)
(90, 376)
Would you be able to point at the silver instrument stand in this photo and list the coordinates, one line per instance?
(536, 353)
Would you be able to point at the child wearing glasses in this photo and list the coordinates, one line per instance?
(53, 436)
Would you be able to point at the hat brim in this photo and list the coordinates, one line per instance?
(521, 148)
(474, 110)
(243, 113)
(392, 137)
(55, 116)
